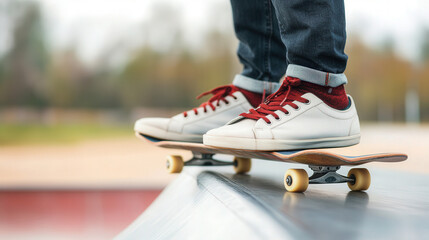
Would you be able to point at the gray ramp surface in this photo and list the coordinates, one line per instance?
(215, 203)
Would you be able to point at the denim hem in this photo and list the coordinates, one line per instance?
(255, 85)
(316, 76)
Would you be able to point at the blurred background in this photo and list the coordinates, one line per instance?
(75, 75)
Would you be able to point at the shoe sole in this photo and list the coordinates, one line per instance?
(279, 145)
(168, 136)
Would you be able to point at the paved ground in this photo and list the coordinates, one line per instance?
(396, 198)
(131, 163)
(111, 163)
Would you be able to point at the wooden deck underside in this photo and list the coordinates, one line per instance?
(309, 157)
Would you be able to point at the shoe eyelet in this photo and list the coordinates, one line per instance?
(298, 108)
(287, 114)
(308, 102)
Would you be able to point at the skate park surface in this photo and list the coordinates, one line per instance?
(215, 203)
(256, 206)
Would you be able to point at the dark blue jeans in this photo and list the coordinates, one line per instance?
(304, 37)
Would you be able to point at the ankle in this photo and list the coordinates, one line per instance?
(254, 98)
(334, 97)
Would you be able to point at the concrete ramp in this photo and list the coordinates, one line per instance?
(214, 203)
(208, 206)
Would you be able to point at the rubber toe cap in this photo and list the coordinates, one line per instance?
(143, 124)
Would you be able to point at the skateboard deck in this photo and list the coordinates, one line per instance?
(308, 156)
(323, 163)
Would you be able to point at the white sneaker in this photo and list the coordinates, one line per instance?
(227, 103)
(281, 123)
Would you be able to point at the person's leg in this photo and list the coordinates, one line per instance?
(314, 33)
(311, 108)
(260, 50)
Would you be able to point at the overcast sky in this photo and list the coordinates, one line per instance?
(93, 25)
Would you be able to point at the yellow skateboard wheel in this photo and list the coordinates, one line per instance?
(174, 164)
(296, 180)
(362, 179)
(242, 165)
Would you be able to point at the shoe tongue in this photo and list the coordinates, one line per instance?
(294, 93)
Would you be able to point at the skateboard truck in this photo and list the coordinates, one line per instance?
(327, 174)
(295, 180)
(175, 163)
(205, 159)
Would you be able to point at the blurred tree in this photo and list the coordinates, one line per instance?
(25, 64)
(158, 79)
(422, 76)
(377, 81)
(166, 72)
(72, 84)
(424, 53)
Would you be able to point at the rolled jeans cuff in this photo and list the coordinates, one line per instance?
(255, 85)
(315, 76)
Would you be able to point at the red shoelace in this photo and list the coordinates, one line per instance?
(276, 101)
(219, 94)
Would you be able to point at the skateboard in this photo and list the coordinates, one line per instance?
(324, 164)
